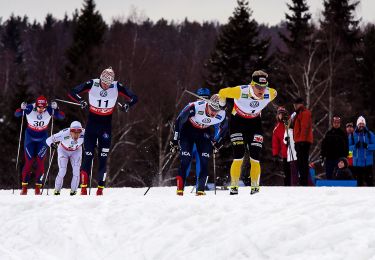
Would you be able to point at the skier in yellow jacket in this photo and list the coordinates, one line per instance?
(246, 125)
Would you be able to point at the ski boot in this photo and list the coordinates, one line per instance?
(254, 189)
(99, 192)
(37, 189)
(56, 192)
(180, 192)
(83, 189)
(200, 193)
(233, 190)
(24, 189)
(73, 192)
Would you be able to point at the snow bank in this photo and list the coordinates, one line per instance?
(278, 223)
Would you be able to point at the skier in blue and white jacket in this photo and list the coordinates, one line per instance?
(38, 116)
(362, 143)
(103, 94)
(192, 126)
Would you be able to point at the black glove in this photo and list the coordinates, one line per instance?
(358, 145)
(365, 145)
(174, 146)
(54, 146)
(83, 104)
(287, 139)
(125, 107)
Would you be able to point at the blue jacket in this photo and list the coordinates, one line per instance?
(362, 157)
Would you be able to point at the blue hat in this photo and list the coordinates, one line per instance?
(203, 92)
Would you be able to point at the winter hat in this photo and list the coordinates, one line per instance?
(41, 101)
(361, 119)
(344, 160)
(76, 127)
(107, 76)
(214, 102)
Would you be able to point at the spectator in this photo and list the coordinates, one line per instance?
(362, 143)
(342, 172)
(303, 137)
(334, 146)
(279, 147)
(292, 156)
(349, 130)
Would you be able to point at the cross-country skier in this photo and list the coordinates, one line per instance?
(103, 93)
(246, 125)
(192, 127)
(70, 148)
(38, 116)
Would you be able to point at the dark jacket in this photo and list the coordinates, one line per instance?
(335, 144)
(343, 174)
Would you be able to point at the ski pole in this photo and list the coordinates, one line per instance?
(92, 165)
(49, 167)
(214, 159)
(161, 171)
(50, 148)
(68, 102)
(19, 147)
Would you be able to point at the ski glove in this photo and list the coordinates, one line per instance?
(287, 140)
(54, 105)
(358, 145)
(83, 104)
(125, 107)
(23, 105)
(365, 145)
(54, 146)
(174, 146)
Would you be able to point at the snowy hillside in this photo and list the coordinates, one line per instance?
(277, 223)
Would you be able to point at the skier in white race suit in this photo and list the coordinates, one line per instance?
(69, 148)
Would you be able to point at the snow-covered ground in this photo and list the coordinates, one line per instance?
(278, 223)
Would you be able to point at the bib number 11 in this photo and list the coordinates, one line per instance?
(100, 103)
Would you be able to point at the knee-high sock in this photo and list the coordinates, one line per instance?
(235, 171)
(254, 172)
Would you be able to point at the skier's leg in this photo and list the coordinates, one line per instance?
(75, 161)
(255, 149)
(39, 172)
(104, 143)
(62, 161)
(238, 147)
(204, 149)
(29, 159)
(89, 145)
(186, 144)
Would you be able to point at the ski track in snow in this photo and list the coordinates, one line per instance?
(278, 223)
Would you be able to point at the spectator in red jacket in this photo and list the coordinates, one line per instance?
(303, 137)
(279, 147)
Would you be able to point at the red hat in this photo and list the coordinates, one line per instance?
(41, 101)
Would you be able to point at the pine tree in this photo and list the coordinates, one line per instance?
(298, 26)
(238, 51)
(88, 37)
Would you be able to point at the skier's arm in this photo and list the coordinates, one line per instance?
(225, 93)
(129, 96)
(56, 113)
(58, 137)
(28, 109)
(184, 115)
(220, 130)
(75, 93)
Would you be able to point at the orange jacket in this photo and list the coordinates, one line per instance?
(303, 126)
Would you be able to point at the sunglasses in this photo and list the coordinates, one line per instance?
(76, 130)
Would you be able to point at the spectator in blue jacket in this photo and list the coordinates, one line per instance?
(362, 143)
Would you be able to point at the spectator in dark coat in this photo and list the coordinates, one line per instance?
(303, 137)
(334, 146)
(362, 143)
(342, 172)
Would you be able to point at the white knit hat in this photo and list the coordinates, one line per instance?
(361, 119)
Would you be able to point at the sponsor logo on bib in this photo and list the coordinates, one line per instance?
(39, 116)
(206, 120)
(254, 104)
(103, 93)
